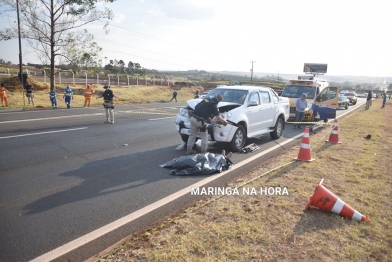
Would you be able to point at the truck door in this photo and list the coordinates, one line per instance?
(253, 112)
(268, 109)
(326, 102)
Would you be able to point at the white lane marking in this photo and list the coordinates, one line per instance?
(152, 119)
(48, 132)
(48, 118)
(58, 252)
(38, 111)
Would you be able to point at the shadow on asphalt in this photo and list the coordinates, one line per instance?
(108, 176)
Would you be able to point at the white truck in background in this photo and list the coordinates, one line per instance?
(322, 98)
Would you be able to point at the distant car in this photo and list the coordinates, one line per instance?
(343, 102)
(361, 96)
(352, 97)
(204, 95)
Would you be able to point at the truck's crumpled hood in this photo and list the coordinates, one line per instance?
(222, 106)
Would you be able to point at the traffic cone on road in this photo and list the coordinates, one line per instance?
(334, 137)
(326, 200)
(304, 151)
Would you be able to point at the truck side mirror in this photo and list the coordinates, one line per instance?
(253, 103)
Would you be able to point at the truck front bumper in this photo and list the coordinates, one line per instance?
(215, 133)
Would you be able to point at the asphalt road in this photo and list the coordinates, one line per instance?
(64, 174)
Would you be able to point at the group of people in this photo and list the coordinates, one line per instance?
(107, 95)
(67, 96)
(370, 96)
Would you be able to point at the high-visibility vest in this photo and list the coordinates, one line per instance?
(88, 92)
(68, 92)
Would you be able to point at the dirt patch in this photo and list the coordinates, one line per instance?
(13, 84)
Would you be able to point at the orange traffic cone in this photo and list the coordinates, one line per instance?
(304, 151)
(334, 137)
(326, 200)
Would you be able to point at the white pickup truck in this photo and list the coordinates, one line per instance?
(251, 111)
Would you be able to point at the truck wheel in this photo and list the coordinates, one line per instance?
(278, 129)
(238, 141)
(346, 107)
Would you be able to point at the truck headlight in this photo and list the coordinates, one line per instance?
(184, 112)
(225, 115)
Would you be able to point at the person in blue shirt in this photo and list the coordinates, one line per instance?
(301, 105)
(384, 99)
(52, 97)
(68, 95)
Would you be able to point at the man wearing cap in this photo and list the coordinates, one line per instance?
(108, 104)
(204, 112)
(301, 105)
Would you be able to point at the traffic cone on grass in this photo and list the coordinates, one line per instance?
(326, 200)
(334, 137)
(304, 151)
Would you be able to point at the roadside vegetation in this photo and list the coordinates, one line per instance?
(124, 95)
(276, 228)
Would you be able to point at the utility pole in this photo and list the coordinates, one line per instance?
(20, 54)
(251, 72)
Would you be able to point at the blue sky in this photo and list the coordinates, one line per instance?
(352, 37)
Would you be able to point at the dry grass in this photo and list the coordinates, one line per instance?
(124, 95)
(275, 228)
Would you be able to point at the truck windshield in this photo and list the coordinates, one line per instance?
(229, 95)
(295, 91)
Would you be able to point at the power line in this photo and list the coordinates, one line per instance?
(156, 38)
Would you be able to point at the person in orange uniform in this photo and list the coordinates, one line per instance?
(3, 96)
(88, 92)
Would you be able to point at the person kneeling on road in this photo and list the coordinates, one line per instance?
(108, 104)
(204, 112)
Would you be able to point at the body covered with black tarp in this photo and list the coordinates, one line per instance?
(198, 164)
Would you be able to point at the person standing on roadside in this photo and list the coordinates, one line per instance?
(88, 92)
(68, 96)
(108, 104)
(53, 98)
(3, 96)
(204, 112)
(384, 99)
(29, 92)
(174, 96)
(301, 105)
(369, 100)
